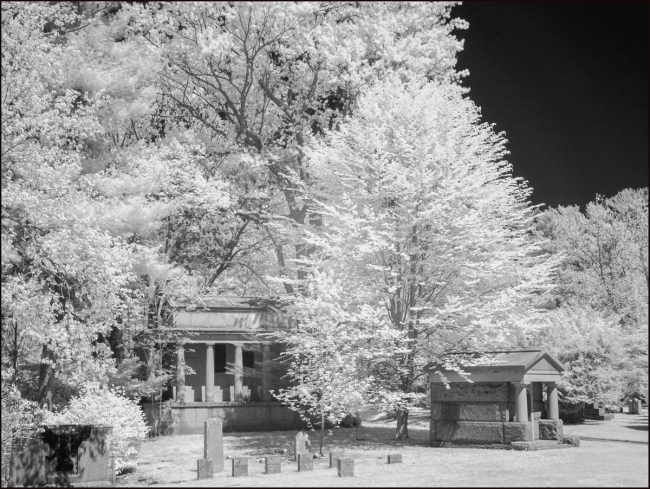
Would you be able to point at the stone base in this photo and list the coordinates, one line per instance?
(489, 446)
(532, 446)
(551, 429)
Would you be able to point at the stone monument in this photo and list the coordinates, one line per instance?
(213, 443)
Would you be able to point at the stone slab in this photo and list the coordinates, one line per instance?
(240, 467)
(204, 469)
(334, 456)
(572, 440)
(273, 464)
(345, 467)
(458, 411)
(551, 429)
(469, 431)
(394, 458)
(213, 443)
(464, 391)
(305, 462)
(300, 444)
(513, 432)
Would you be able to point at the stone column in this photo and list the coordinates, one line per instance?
(239, 373)
(266, 358)
(180, 372)
(552, 410)
(209, 372)
(522, 403)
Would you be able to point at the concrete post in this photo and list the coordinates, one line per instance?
(209, 372)
(266, 358)
(180, 371)
(522, 403)
(552, 409)
(239, 373)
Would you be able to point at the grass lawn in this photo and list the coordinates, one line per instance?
(171, 462)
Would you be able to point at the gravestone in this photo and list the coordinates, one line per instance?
(334, 456)
(240, 467)
(273, 464)
(637, 406)
(305, 462)
(395, 458)
(213, 443)
(204, 469)
(300, 444)
(345, 467)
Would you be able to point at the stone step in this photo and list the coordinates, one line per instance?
(604, 417)
(538, 445)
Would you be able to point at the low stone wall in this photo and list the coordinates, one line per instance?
(34, 464)
(236, 416)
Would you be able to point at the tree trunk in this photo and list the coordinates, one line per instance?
(46, 378)
(322, 432)
(402, 431)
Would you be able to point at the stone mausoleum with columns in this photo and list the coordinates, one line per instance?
(228, 342)
(511, 403)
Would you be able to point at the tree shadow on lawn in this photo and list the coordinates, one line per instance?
(371, 438)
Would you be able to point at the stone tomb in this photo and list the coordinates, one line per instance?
(305, 462)
(595, 412)
(345, 467)
(240, 467)
(213, 443)
(300, 444)
(64, 455)
(504, 403)
(394, 458)
(273, 464)
(334, 456)
(204, 469)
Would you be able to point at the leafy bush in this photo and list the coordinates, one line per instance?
(20, 418)
(108, 407)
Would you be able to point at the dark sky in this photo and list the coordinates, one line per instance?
(568, 83)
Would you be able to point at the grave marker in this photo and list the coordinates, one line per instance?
(300, 444)
(273, 464)
(240, 467)
(334, 456)
(395, 458)
(204, 469)
(305, 462)
(345, 467)
(213, 443)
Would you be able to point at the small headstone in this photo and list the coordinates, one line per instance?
(395, 458)
(334, 456)
(625, 409)
(273, 464)
(240, 467)
(300, 444)
(213, 443)
(204, 468)
(305, 462)
(345, 467)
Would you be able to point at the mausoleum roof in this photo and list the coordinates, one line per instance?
(529, 363)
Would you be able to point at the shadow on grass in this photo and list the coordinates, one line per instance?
(259, 444)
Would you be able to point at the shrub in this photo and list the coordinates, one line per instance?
(108, 407)
(20, 418)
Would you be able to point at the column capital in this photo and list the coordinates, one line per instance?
(521, 384)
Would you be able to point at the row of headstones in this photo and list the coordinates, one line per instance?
(273, 463)
(213, 461)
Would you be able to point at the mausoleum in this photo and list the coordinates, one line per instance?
(512, 402)
(228, 342)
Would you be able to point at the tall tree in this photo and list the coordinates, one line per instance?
(425, 225)
(265, 77)
(605, 269)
